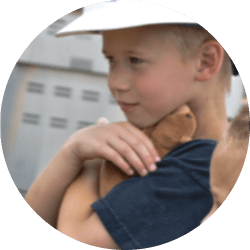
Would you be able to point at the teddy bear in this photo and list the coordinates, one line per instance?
(173, 130)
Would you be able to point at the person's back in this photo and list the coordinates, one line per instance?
(228, 158)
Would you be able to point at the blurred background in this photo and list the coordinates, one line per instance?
(59, 85)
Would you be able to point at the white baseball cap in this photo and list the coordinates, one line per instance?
(119, 14)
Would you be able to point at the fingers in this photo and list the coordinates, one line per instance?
(148, 143)
(112, 155)
(134, 151)
(142, 160)
(130, 155)
(128, 147)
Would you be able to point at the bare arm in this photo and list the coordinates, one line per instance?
(46, 193)
(120, 143)
(77, 218)
(80, 195)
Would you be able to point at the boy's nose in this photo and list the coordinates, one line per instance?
(118, 85)
(119, 80)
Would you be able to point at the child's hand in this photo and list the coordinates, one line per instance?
(120, 142)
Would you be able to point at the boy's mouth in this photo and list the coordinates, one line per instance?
(127, 106)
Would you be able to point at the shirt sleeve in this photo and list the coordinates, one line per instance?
(143, 212)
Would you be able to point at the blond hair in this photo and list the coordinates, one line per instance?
(189, 38)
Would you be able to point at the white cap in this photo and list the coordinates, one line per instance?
(121, 14)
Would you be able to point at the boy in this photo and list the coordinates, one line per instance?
(154, 69)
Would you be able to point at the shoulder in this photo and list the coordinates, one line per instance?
(174, 199)
(190, 160)
(195, 148)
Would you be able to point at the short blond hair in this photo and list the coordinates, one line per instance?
(189, 38)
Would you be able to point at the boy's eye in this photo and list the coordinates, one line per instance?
(135, 60)
(110, 58)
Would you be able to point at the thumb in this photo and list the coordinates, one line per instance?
(102, 120)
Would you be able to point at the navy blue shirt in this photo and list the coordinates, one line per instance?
(143, 212)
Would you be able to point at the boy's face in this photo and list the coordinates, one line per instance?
(147, 75)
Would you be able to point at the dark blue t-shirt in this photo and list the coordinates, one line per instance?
(143, 212)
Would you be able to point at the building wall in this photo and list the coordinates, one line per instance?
(56, 104)
(80, 52)
(58, 86)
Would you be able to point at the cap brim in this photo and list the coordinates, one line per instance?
(120, 15)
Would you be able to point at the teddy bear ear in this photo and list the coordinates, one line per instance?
(185, 138)
(183, 110)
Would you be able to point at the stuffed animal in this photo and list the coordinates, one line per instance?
(173, 130)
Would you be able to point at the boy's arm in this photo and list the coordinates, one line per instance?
(77, 218)
(46, 193)
(91, 232)
(80, 195)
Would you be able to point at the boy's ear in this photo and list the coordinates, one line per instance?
(209, 60)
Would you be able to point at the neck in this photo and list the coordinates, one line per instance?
(211, 116)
